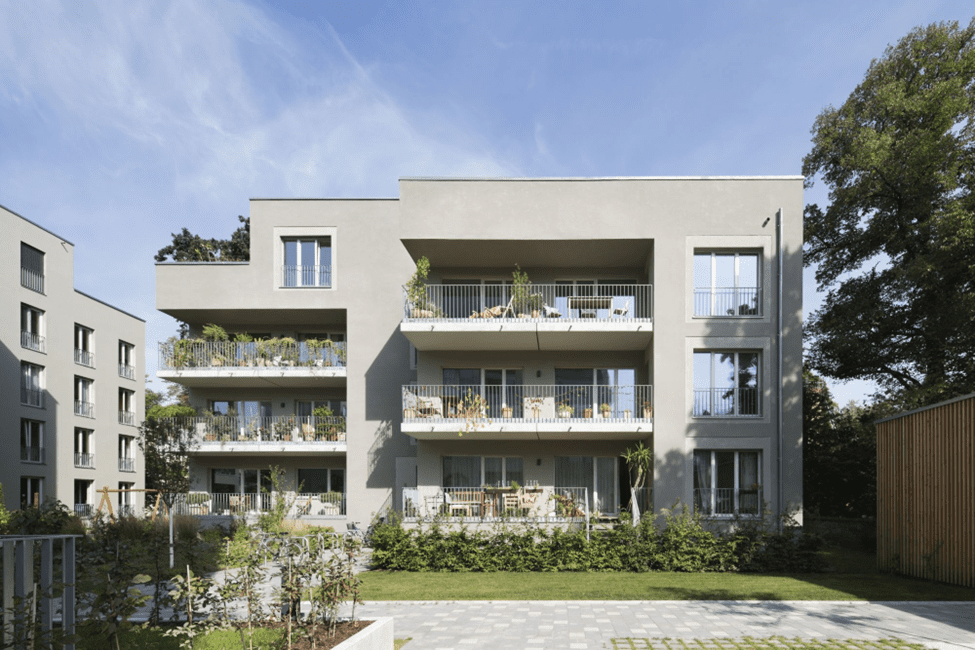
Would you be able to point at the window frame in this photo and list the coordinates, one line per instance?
(84, 386)
(296, 273)
(32, 328)
(84, 345)
(713, 291)
(737, 490)
(32, 271)
(481, 481)
(126, 360)
(84, 448)
(711, 389)
(32, 384)
(29, 431)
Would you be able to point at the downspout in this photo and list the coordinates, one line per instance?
(778, 383)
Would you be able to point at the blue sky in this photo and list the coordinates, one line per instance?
(121, 122)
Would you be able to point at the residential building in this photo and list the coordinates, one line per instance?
(665, 311)
(67, 357)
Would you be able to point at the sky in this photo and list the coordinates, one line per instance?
(122, 121)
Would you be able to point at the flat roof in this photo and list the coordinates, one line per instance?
(607, 178)
(926, 408)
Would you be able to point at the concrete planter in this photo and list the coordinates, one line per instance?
(378, 636)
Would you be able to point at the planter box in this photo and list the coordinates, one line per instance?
(378, 636)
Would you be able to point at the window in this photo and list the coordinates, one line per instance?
(31, 441)
(244, 417)
(31, 491)
(126, 360)
(459, 298)
(126, 507)
(307, 262)
(126, 459)
(82, 498)
(237, 481)
(126, 407)
(84, 451)
(318, 480)
(726, 384)
(84, 397)
(31, 332)
(31, 384)
(500, 387)
(475, 471)
(306, 408)
(83, 340)
(587, 478)
(728, 482)
(726, 284)
(585, 390)
(31, 268)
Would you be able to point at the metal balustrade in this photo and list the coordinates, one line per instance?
(126, 371)
(278, 428)
(726, 402)
(728, 501)
(32, 454)
(529, 403)
(84, 409)
(84, 460)
(221, 503)
(208, 355)
(544, 302)
(84, 510)
(530, 502)
(727, 301)
(126, 464)
(84, 357)
(31, 279)
(126, 417)
(32, 396)
(32, 341)
(306, 276)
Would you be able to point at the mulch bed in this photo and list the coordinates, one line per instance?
(302, 640)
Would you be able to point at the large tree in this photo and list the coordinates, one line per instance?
(187, 247)
(165, 445)
(895, 247)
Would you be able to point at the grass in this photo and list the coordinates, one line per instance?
(770, 643)
(853, 578)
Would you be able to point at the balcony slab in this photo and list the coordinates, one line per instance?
(243, 377)
(518, 334)
(529, 430)
(245, 448)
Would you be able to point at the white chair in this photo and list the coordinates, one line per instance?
(622, 311)
(551, 312)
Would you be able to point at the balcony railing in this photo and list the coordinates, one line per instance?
(126, 371)
(84, 357)
(177, 355)
(318, 504)
(729, 501)
(529, 403)
(543, 302)
(32, 454)
(727, 301)
(278, 428)
(84, 510)
(532, 502)
(84, 460)
(32, 279)
(32, 396)
(126, 464)
(306, 276)
(726, 402)
(84, 409)
(126, 417)
(32, 341)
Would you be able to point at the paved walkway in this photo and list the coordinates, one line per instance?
(589, 625)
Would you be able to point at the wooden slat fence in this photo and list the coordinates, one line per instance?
(926, 492)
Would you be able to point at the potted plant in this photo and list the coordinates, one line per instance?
(587, 413)
(627, 414)
(283, 428)
(315, 356)
(289, 350)
(647, 410)
(216, 335)
(521, 302)
(263, 351)
(565, 410)
(506, 411)
(416, 290)
(324, 427)
(244, 351)
(605, 408)
(535, 404)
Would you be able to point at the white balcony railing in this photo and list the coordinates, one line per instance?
(32, 454)
(531, 502)
(32, 396)
(126, 464)
(126, 417)
(32, 279)
(726, 402)
(306, 276)
(126, 371)
(529, 403)
(84, 409)
(727, 301)
(84, 510)
(84, 460)
(84, 357)
(318, 504)
(256, 430)
(728, 501)
(547, 302)
(180, 354)
(32, 341)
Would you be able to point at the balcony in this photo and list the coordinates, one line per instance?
(84, 510)
(126, 371)
(127, 418)
(729, 502)
(31, 454)
(532, 503)
(540, 317)
(32, 397)
(302, 504)
(84, 409)
(529, 412)
(32, 341)
(84, 460)
(259, 364)
(728, 402)
(84, 358)
(223, 434)
(126, 464)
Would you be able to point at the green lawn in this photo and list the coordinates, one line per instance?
(853, 578)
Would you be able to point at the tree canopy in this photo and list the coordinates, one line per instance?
(187, 247)
(165, 444)
(895, 247)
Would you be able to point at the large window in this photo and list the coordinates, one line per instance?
(307, 262)
(582, 392)
(31, 268)
(31, 441)
(500, 387)
(318, 480)
(31, 491)
(31, 384)
(82, 498)
(84, 397)
(31, 328)
(84, 448)
(126, 407)
(236, 481)
(126, 454)
(84, 353)
(726, 384)
(597, 475)
(726, 284)
(126, 360)
(728, 482)
(475, 471)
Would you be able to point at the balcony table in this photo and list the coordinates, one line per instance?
(589, 305)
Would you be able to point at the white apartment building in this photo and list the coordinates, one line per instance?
(665, 311)
(73, 392)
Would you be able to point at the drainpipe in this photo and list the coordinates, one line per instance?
(778, 383)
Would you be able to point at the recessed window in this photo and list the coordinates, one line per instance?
(126, 454)
(307, 262)
(126, 504)
(126, 407)
(726, 284)
(84, 353)
(31, 268)
(126, 360)
(588, 479)
(84, 397)
(727, 483)
(82, 498)
(31, 328)
(31, 441)
(84, 448)
(475, 471)
(31, 384)
(726, 384)
(31, 491)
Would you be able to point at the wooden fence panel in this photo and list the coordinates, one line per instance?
(926, 492)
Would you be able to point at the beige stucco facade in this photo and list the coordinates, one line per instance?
(635, 239)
